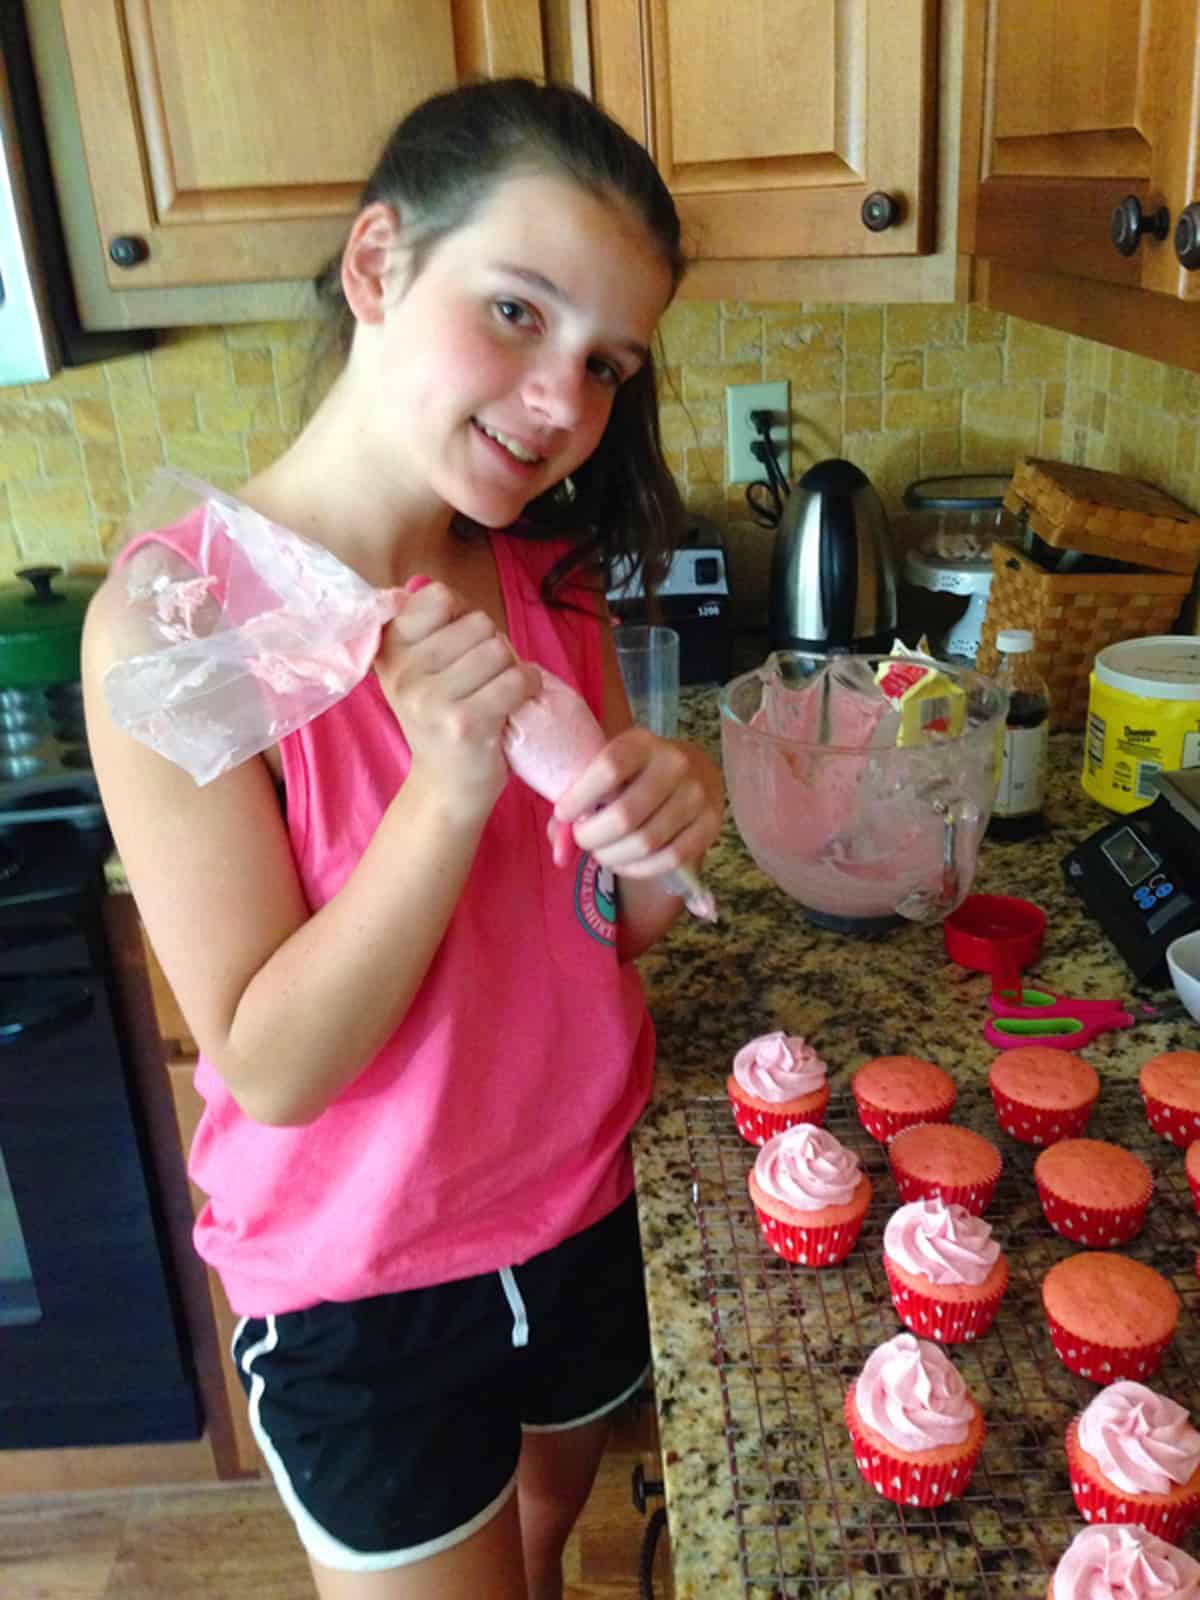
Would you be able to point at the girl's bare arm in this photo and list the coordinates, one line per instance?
(290, 1005)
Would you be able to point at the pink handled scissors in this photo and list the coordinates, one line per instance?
(1037, 1016)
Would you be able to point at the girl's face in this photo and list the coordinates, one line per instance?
(496, 368)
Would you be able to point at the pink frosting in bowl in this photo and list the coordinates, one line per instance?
(1141, 1441)
(807, 1169)
(1113, 1561)
(942, 1242)
(778, 1067)
(913, 1395)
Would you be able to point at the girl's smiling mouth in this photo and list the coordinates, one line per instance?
(513, 447)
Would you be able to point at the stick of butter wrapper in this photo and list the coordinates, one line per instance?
(928, 701)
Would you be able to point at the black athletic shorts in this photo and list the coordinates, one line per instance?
(392, 1425)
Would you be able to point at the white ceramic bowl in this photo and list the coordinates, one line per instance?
(1183, 963)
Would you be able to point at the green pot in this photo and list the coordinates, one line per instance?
(41, 624)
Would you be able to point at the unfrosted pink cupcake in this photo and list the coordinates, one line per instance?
(946, 1272)
(939, 1158)
(1134, 1456)
(1120, 1562)
(915, 1428)
(777, 1081)
(810, 1194)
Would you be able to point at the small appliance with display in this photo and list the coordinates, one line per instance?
(693, 599)
(1138, 876)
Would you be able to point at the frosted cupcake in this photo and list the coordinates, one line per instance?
(1134, 1456)
(1116, 1562)
(777, 1081)
(810, 1195)
(916, 1430)
(946, 1272)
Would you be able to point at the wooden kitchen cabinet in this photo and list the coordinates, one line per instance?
(229, 142)
(1070, 110)
(224, 1397)
(773, 125)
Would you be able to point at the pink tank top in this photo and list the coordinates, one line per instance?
(495, 1121)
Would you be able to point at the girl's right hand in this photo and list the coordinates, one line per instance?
(453, 679)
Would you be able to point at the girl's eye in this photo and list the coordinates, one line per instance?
(514, 313)
(605, 371)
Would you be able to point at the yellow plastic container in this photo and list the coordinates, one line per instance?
(1143, 718)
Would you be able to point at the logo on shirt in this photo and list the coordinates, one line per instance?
(596, 900)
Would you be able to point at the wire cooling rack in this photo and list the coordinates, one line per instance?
(788, 1340)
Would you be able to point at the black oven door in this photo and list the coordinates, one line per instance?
(92, 1349)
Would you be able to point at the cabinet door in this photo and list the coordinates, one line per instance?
(224, 1397)
(1086, 102)
(229, 142)
(772, 124)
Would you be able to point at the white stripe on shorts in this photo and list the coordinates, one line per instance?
(321, 1545)
(520, 1333)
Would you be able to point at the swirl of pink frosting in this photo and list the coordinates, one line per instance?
(913, 1395)
(1141, 1440)
(1115, 1561)
(807, 1169)
(778, 1067)
(944, 1243)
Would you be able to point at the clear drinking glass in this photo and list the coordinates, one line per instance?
(649, 661)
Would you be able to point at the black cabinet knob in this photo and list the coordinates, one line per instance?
(1130, 224)
(643, 1488)
(1187, 236)
(880, 211)
(127, 250)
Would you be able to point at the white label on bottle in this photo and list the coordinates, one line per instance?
(1021, 771)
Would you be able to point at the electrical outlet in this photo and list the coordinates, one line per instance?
(740, 400)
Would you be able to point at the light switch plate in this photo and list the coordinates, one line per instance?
(740, 400)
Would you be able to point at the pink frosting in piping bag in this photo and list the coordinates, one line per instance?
(1140, 1440)
(1118, 1562)
(913, 1395)
(550, 740)
(944, 1243)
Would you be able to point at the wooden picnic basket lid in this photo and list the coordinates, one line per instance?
(1105, 514)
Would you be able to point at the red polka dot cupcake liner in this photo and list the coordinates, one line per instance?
(947, 1322)
(1101, 1363)
(1095, 1226)
(1169, 1518)
(822, 1246)
(882, 1125)
(974, 1197)
(1175, 1124)
(1036, 1124)
(908, 1483)
(759, 1126)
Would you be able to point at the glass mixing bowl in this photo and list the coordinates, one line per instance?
(861, 835)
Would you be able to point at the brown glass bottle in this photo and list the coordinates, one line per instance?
(1017, 811)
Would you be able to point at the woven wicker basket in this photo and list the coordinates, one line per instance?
(1073, 615)
(1105, 514)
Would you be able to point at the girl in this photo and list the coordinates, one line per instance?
(423, 1043)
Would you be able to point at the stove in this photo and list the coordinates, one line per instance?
(93, 1348)
(45, 768)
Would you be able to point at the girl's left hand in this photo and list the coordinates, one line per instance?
(645, 805)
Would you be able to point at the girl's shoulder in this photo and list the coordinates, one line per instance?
(537, 554)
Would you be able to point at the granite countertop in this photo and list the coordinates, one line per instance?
(751, 1356)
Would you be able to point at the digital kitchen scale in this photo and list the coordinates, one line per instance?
(1140, 876)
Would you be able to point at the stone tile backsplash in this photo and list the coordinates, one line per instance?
(905, 391)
